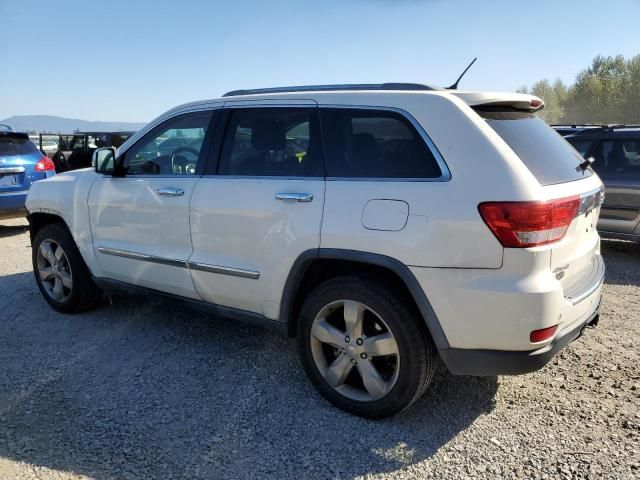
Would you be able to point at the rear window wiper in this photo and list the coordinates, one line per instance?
(586, 164)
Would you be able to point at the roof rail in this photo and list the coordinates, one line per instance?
(613, 126)
(607, 128)
(576, 125)
(596, 125)
(5, 127)
(331, 88)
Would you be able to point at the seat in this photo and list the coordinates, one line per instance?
(365, 154)
(616, 159)
(268, 145)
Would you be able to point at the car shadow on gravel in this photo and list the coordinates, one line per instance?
(622, 259)
(11, 230)
(141, 388)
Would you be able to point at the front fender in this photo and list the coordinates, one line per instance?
(65, 195)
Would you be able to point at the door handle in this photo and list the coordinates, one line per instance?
(170, 192)
(295, 197)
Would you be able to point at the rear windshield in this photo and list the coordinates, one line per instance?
(545, 153)
(10, 146)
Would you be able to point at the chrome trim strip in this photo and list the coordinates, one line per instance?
(204, 267)
(235, 272)
(296, 197)
(577, 294)
(591, 200)
(8, 170)
(142, 256)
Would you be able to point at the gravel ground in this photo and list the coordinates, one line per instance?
(143, 389)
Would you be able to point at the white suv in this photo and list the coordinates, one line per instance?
(384, 226)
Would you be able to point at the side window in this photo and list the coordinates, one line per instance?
(272, 142)
(583, 146)
(172, 148)
(373, 143)
(618, 157)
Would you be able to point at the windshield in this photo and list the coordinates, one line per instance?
(545, 153)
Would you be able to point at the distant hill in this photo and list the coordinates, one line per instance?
(52, 124)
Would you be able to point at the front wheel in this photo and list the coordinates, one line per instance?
(61, 274)
(363, 349)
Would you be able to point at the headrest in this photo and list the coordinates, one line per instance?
(268, 134)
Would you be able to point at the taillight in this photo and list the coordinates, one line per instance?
(529, 224)
(542, 334)
(45, 165)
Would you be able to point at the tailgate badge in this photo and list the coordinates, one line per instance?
(559, 271)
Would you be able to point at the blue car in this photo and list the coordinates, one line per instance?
(21, 164)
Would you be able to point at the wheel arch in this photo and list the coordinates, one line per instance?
(37, 220)
(317, 265)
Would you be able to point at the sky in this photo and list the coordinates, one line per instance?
(131, 60)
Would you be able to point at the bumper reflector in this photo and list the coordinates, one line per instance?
(542, 334)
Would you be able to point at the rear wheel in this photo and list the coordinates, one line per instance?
(363, 349)
(61, 274)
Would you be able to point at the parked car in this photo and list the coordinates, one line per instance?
(21, 164)
(74, 151)
(423, 224)
(565, 130)
(616, 150)
(46, 146)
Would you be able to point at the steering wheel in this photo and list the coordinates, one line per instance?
(190, 167)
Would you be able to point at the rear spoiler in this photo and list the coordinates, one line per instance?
(518, 101)
(12, 134)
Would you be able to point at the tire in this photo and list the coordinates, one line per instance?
(404, 371)
(61, 274)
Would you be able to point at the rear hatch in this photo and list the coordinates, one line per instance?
(18, 156)
(577, 193)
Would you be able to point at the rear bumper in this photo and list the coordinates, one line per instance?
(12, 204)
(633, 237)
(499, 362)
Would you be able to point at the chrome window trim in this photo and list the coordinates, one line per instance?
(444, 168)
(172, 262)
(263, 177)
(273, 103)
(150, 175)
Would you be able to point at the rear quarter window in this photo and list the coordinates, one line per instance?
(364, 143)
(545, 153)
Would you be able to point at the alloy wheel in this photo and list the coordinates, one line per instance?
(355, 350)
(54, 271)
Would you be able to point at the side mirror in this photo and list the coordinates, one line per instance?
(104, 160)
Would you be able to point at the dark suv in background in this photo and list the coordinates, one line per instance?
(75, 150)
(616, 150)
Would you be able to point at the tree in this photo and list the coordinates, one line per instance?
(608, 91)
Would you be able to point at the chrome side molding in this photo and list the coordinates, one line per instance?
(142, 256)
(204, 267)
(235, 272)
